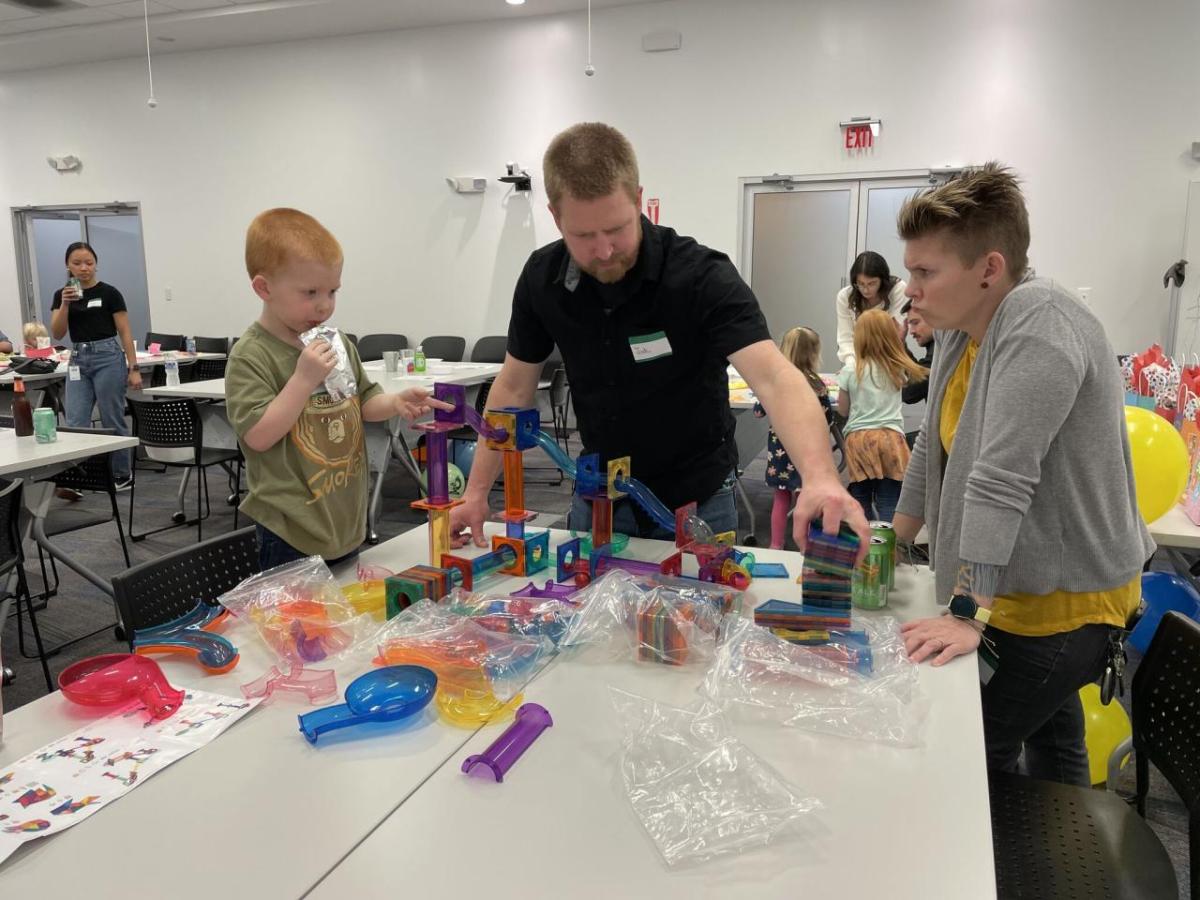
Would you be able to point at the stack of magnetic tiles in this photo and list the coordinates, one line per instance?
(828, 569)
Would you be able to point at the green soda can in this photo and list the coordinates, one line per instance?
(45, 426)
(888, 533)
(868, 587)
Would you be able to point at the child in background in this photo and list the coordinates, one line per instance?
(36, 336)
(802, 346)
(306, 457)
(869, 395)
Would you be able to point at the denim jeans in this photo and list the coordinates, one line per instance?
(1032, 702)
(719, 511)
(102, 375)
(882, 494)
(275, 551)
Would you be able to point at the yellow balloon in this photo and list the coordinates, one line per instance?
(1160, 461)
(1104, 729)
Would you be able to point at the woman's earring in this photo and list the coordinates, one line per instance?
(984, 285)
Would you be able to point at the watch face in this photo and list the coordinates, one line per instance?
(963, 606)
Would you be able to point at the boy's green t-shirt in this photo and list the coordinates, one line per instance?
(311, 487)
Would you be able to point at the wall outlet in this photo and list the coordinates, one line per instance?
(167, 292)
(1085, 294)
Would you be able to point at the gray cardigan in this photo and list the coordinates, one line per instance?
(1040, 480)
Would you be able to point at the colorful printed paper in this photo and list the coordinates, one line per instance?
(68, 780)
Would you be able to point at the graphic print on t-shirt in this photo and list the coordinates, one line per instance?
(329, 434)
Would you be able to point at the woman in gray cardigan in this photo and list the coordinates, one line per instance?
(1021, 474)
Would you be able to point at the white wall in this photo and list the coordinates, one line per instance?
(1095, 102)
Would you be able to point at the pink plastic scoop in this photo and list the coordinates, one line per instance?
(117, 677)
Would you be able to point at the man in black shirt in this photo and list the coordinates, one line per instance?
(920, 331)
(646, 321)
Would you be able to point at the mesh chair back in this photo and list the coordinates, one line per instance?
(212, 344)
(1166, 718)
(163, 589)
(371, 346)
(447, 347)
(10, 531)
(165, 341)
(490, 349)
(208, 369)
(91, 474)
(167, 423)
(559, 390)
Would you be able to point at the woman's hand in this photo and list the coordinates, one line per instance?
(134, 379)
(946, 636)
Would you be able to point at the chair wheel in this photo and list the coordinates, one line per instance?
(178, 518)
(233, 500)
(7, 677)
(119, 634)
(749, 541)
(372, 538)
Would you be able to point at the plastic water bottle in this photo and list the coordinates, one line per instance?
(419, 361)
(191, 345)
(172, 367)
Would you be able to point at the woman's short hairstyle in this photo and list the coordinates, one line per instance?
(977, 212)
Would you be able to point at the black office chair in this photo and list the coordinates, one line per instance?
(165, 341)
(176, 423)
(12, 566)
(351, 337)
(372, 346)
(1060, 841)
(156, 592)
(208, 369)
(490, 349)
(446, 347)
(560, 406)
(92, 475)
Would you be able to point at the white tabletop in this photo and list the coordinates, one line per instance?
(260, 810)
(897, 823)
(445, 372)
(1174, 529)
(22, 454)
(179, 356)
(213, 389)
(455, 373)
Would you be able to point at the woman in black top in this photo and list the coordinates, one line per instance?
(103, 360)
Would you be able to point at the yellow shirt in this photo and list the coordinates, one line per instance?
(1036, 615)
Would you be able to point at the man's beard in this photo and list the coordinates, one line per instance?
(612, 272)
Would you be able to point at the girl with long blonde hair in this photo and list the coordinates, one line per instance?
(869, 395)
(802, 347)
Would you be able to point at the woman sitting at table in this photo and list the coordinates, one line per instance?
(103, 361)
(1021, 474)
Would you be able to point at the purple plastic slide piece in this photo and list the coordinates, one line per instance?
(531, 721)
(550, 591)
(481, 426)
(317, 684)
(632, 566)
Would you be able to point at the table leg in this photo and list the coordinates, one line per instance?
(37, 501)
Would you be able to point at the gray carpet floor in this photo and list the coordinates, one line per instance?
(80, 608)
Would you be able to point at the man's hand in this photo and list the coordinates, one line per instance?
(828, 501)
(471, 514)
(316, 361)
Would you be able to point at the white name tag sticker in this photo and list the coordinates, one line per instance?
(646, 347)
(95, 304)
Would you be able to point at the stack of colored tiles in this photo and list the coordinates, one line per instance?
(659, 636)
(828, 568)
(799, 616)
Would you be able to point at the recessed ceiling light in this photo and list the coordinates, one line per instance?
(515, 2)
(166, 40)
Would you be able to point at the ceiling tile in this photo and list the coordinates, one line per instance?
(8, 11)
(195, 4)
(89, 16)
(133, 9)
